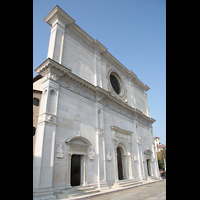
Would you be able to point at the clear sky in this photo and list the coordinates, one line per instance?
(133, 31)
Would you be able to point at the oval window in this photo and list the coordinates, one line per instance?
(115, 83)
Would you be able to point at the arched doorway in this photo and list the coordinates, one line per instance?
(148, 157)
(119, 162)
(77, 160)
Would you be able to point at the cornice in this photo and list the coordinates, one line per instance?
(50, 65)
(127, 72)
(57, 14)
(115, 128)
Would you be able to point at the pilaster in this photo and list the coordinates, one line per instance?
(57, 19)
(140, 161)
(100, 142)
(45, 141)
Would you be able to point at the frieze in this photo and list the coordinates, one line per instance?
(59, 71)
(79, 147)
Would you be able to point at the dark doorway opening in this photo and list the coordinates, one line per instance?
(75, 170)
(119, 161)
(148, 167)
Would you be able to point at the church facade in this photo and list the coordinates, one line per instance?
(94, 126)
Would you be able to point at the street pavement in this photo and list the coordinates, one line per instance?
(153, 191)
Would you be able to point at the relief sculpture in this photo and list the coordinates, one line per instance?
(60, 152)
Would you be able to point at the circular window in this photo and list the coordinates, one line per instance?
(115, 83)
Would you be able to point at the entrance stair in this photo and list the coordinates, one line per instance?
(77, 191)
(82, 192)
(126, 183)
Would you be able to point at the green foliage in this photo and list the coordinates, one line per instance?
(161, 156)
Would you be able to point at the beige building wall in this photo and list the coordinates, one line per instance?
(36, 94)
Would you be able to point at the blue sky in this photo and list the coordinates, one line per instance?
(133, 31)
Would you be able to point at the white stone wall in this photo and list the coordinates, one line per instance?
(76, 50)
(78, 103)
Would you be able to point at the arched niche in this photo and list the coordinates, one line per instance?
(52, 101)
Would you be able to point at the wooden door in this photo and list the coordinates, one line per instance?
(119, 161)
(75, 170)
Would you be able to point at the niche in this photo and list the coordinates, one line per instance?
(52, 102)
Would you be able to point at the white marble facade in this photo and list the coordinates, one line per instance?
(80, 113)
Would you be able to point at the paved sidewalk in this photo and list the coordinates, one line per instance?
(152, 191)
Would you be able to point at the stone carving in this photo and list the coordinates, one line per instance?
(109, 157)
(78, 118)
(67, 85)
(78, 90)
(54, 77)
(88, 95)
(79, 133)
(135, 158)
(50, 118)
(79, 147)
(148, 151)
(139, 140)
(60, 152)
(92, 154)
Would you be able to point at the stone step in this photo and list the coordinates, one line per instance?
(77, 188)
(127, 183)
(153, 178)
(76, 192)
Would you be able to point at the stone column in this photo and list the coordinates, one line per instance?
(69, 156)
(85, 170)
(140, 161)
(115, 158)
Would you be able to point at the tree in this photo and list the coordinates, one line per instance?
(161, 155)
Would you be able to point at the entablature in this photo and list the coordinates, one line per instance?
(54, 71)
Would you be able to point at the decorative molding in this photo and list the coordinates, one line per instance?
(51, 66)
(50, 118)
(57, 14)
(47, 117)
(78, 147)
(78, 144)
(122, 95)
(115, 128)
(148, 152)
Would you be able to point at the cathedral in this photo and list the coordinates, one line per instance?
(93, 127)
